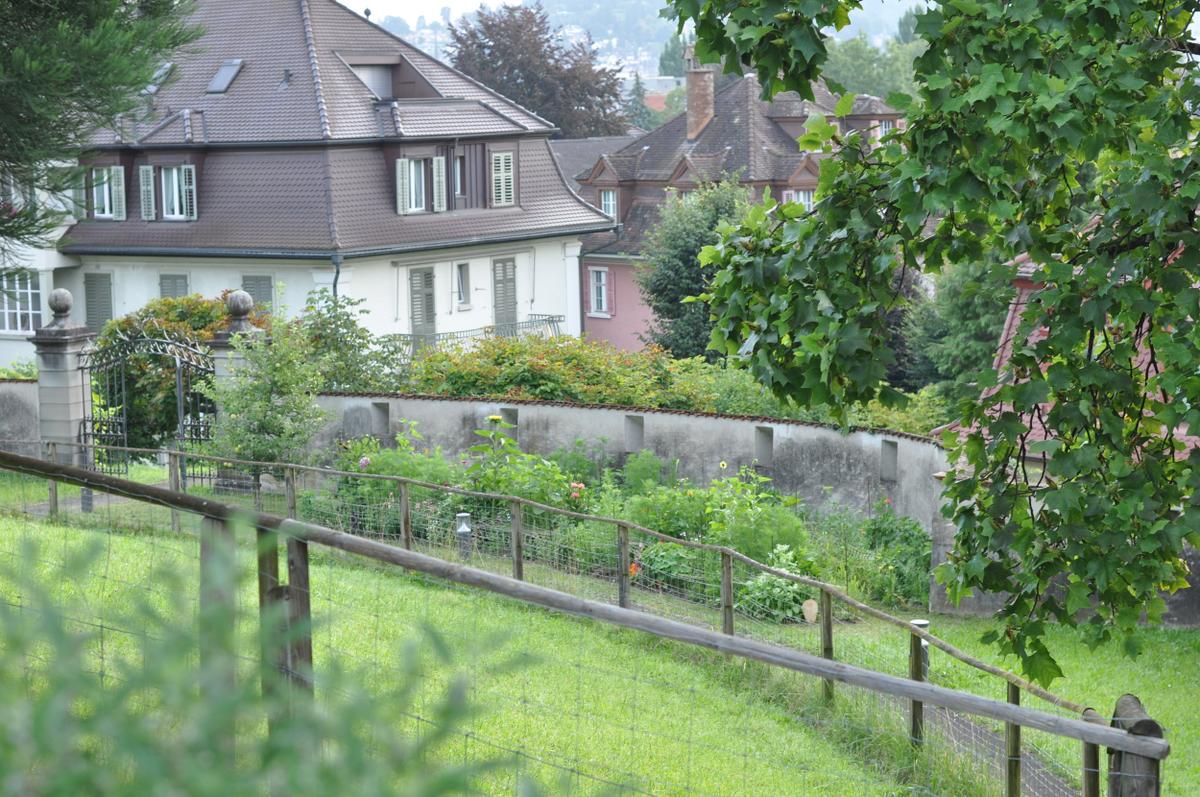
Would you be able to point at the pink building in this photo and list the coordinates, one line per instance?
(728, 129)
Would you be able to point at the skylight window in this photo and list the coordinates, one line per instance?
(225, 75)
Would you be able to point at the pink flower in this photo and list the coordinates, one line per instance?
(575, 494)
(364, 463)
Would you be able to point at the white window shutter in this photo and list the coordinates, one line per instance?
(187, 173)
(146, 187)
(610, 290)
(497, 179)
(402, 186)
(116, 182)
(439, 184)
(509, 192)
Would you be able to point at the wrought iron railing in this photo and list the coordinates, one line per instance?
(542, 325)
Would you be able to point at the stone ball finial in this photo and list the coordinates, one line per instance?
(239, 304)
(61, 301)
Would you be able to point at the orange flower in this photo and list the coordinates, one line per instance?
(634, 568)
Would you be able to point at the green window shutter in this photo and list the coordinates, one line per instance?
(402, 186)
(261, 289)
(98, 297)
(171, 286)
(146, 188)
(116, 178)
(439, 184)
(187, 173)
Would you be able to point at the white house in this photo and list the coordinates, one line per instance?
(296, 146)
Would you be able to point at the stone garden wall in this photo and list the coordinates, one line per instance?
(18, 410)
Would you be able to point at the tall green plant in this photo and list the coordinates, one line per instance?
(673, 271)
(267, 409)
(156, 725)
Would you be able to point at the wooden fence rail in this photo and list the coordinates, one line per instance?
(1140, 745)
(405, 486)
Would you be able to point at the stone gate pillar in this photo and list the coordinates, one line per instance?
(226, 358)
(64, 394)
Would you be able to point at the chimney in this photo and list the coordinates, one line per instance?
(699, 94)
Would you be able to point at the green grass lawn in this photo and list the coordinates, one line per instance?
(612, 706)
(18, 491)
(619, 705)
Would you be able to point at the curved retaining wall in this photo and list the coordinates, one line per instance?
(816, 463)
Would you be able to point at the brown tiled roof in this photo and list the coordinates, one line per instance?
(743, 136)
(327, 190)
(295, 83)
(575, 155)
(318, 201)
(630, 239)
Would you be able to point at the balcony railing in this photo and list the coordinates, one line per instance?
(546, 326)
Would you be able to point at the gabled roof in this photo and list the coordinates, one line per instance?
(743, 137)
(575, 155)
(295, 82)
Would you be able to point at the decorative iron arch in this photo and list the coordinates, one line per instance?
(106, 397)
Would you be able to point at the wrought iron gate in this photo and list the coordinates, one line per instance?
(109, 389)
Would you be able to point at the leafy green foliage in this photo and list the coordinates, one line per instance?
(69, 68)
(685, 226)
(861, 67)
(21, 369)
(952, 338)
(769, 597)
(514, 50)
(157, 724)
(1062, 130)
(267, 408)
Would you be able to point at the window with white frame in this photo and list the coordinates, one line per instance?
(102, 193)
(462, 283)
(460, 175)
(806, 197)
(416, 184)
(503, 180)
(608, 202)
(598, 290)
(179, 192)
(886, 126)
(787, 195)
(20, 301)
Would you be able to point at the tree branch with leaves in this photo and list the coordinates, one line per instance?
(1060, 130)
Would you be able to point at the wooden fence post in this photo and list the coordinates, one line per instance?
(1091, 758)
(726, 593)
(518, 542)
(623, 565)
(268, 588)
(916, 672)
(289, 491)
(406, 534)
(173, 483)
(218, 596)
(52, 486)
(1012, 748)
(826, 610)
(300, 613)
(1129, 774)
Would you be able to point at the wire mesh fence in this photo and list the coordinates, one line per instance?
(588, 708)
